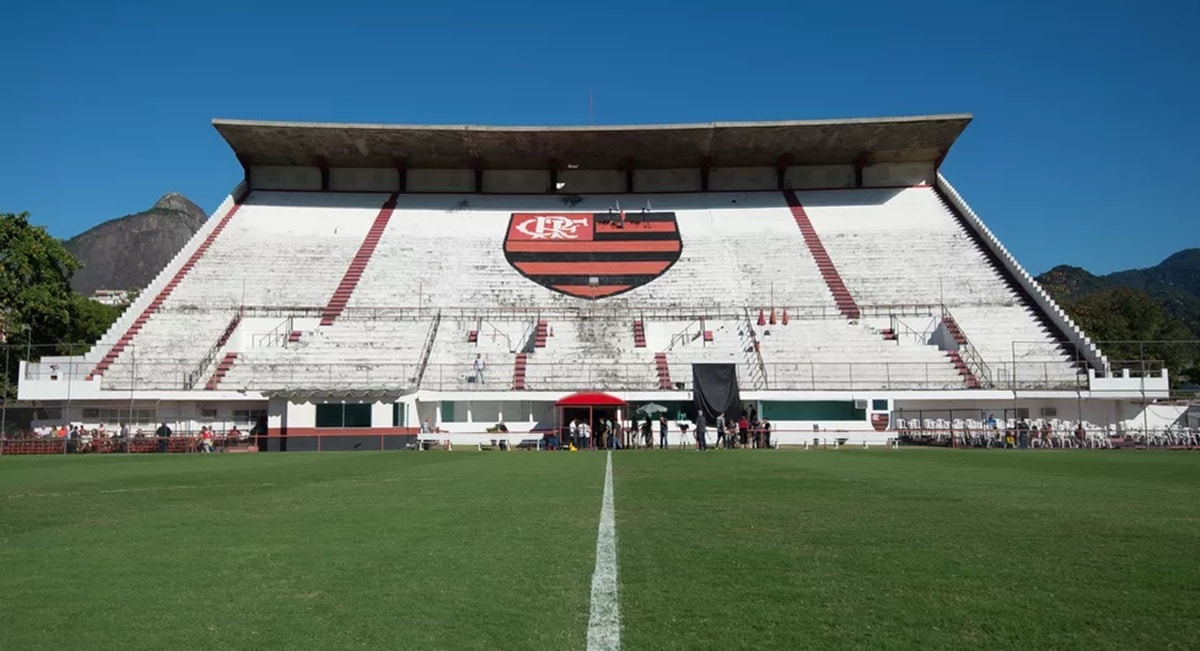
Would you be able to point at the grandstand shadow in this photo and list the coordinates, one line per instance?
(849, 197)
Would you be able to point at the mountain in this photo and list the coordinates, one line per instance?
(127, 252)
(1174, 284)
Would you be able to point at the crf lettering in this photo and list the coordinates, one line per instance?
(552, 227)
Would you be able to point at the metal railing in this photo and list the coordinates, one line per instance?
(277, 337)
(590, 310)
(969, 354)
(150, 374)
(430, 338)
(192, 378)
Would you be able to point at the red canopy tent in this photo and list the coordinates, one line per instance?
(588, 400)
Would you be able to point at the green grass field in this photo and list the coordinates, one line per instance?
(721, 550)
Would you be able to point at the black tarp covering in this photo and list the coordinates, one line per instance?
(715, 390)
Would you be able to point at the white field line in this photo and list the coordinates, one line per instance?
(604, 626)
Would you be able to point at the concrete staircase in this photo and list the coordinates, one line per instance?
(956, 332)
(222, 369)
(664, 372)
(968, 377)
(639, 334)
(354, 272)
(829, 272)
(519, 372)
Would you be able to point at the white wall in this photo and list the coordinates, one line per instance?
(430, 180)
(516, 180)
(381, 414)
(809, 177)
(667, 180)
(364, 180)
(301, 414)
(277, 177)
(885, 174)
(277, 413)
(585, 181)
(743, 178)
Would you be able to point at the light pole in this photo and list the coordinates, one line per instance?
(1012, 377)
(4, 408)
(28, 342)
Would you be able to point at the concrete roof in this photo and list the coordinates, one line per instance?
(729, 144)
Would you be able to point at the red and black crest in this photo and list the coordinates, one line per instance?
(592, 255)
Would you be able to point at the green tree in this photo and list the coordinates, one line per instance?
(1129, 325)
(90, 320)
(38, 308)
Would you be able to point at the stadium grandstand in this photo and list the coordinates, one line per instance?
(361, 280)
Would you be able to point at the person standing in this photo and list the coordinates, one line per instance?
(662, 431)
(479, 367)
(720, 429)
(701, 426)
(164, 434)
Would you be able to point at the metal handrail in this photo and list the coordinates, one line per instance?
(201, 369)
(753, 337)
(969, 354)
(430, 338)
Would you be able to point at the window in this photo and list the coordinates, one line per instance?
(208, 414)
(248, 417)
(125, 415)
(879, 405)
(329, 415)
(1049, 412)
(813, 410)
(398, 413)
(343, 415)
(357, 415)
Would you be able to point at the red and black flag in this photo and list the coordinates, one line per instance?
(589, 255)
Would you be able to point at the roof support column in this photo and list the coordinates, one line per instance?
(781, 166)
(629, 165)
(245, 170)
(401, 166)
(477, 163)
(862, 161)
(705, 169)
(552, 164)
(323, 164)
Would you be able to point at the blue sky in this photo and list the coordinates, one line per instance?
(1079, 152)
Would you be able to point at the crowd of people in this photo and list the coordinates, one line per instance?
(746, 431)
(72, 438)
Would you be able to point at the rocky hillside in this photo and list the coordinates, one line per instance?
(127, 252)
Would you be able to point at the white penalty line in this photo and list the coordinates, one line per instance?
(604, 625)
